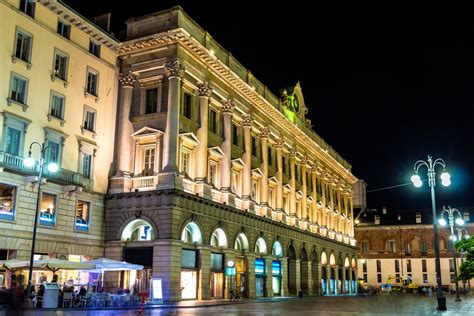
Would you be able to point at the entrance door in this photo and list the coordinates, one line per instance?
(217, 284)
(188, 284)
(276, 285)
(260, 286)
(240, 278)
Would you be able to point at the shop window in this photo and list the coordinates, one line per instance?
(276, 268)
(259, 266)
(48, 209)
(7, 202)
(217, 261)
(82, 215)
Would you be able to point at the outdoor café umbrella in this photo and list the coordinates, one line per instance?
(14, 264)
(58, 264)
(105, 264)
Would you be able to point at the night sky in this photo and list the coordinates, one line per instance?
(385, 86)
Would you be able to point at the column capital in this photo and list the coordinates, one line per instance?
(264, 132)
(227, 106)
(127, 79)
(279, 142)
(205, 89)
(247, 120)
(174, 69)
(304, 160)
(292, 153)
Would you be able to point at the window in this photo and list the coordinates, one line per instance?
(53, 152)
(217, 261)
(408, 265)
(64, 29)
(212, 121)
(18, 88)
(407, 249)
(57, 105)
(365, 277)
(184, 166)
(423, 265)
(14, 129)
(151, 100)
(86, 159)
(86, 165)
(379, 266)
(92, 82)
(82, 215)
(392, 246)
(94, 48)
(397, 266)
(254, 146)
(379, 278)
(7, 202)
(48, 209)
(54, 141)
(451, 265)
(364, 265)
(254, 190)
(423, 248)
(270, 157)
(60, 65)
(89, 119)
(425, 278)
(148, 161)
(28, 7)
(235, 135)
(212, 176)
(236, 180)
(187, 106)
(12, 141)
(23, 45)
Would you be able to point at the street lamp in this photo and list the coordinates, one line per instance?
(446, 181)
(451, 212)
(52, 167)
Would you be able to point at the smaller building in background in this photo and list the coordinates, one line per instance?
(400, 244)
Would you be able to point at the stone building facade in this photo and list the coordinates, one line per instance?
(59, 87)
(211, 167)
(393, 243)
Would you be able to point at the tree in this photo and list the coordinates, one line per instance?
(466, 271)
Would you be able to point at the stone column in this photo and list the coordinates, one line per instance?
(167, 266)
(227, 108)
(306, 278)
(304, 210)
(204, 282)
(292, 196)
(284, 277)
(269, 279)
(122, 180)
(279, 175)
(205, 91)
(264, 168)
(314, 207)
(175, 72)
(247, 158)
(251, 286)
(329, 285)
(316, 274)
(323, 198)
(294, 283)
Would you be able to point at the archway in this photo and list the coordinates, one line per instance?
(277, 249)
(324, 273)
(241, 242)
(138, 230)
(293, 273)
(219, 238)
(191, 233)
(261, 246)
(305, 271)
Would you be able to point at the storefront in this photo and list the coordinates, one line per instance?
(333, 282)
(240, 277)
(324, 280)
(189, 274)
(339, 281)
(138, 279)
(347, 285)
(260, 277)
(276, 274)
(217, 275)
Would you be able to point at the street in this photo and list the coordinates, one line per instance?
(349, 305)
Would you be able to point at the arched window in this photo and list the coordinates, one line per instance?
(191, 233)
(324, 258)
(241, 243)
(332, 260)
(219, 239)
(353, 263)
(347, 263)
(277, 249)
(138, 230)
(261, 246)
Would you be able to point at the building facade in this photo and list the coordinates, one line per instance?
(400, 244)
(211, 167)
(59, 83)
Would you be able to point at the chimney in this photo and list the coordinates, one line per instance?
(466, 216)
(377, 220)
(418, 218)
(384, 210)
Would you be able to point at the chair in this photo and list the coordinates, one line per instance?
(37, 301)
(86, 300)
(67, 299)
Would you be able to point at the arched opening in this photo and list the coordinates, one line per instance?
(277, 249)
(261, 246)
(332, 260)
(324, 273)
(332, 274)
(219, 238)
(191, 233)
(324, 258)
(304, 271)
(241, 242)
(315, 271)
(138, 230)
(293, 287)
(346, 263)
(353, 263)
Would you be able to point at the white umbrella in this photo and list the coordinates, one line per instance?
(58, 264)
(104, 264)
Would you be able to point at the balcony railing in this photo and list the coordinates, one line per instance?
(62, 176)
(145, 182)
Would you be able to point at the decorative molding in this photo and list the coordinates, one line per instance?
(279, 142)
(205, 89)
(227, 106)
(292, 153)
(127, 79)
(247, 120)
(174, 69)
(263, 132)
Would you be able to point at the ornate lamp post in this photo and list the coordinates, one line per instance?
(451, 213)
(52, 167)
(446, 181)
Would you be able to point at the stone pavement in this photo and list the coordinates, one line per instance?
(341, 305)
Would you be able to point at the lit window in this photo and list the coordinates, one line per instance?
(48, 209)
(18, 88)
(60, 65)
(23, 45)
(184, 166)
(89, 118)
(94, 48)
(148, 161)
(57, 105)
(82, 215)
(92, 82)
(7, 202)
(64, 29)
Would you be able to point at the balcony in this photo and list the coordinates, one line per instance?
(62, 176)
(149, 182)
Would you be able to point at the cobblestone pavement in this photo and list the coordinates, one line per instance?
(342, 305)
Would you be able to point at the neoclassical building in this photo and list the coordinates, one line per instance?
(58, 80)
(211, 167)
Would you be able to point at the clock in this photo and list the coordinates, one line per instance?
(296, 104)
